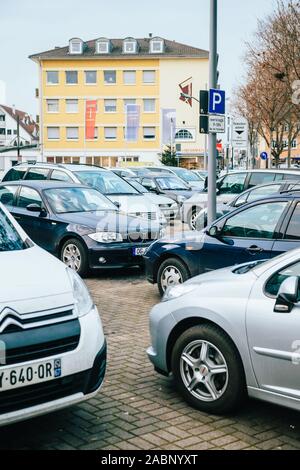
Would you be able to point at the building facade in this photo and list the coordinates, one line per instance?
(17, 128)
(129, 88)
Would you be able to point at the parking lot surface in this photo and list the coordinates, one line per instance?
(137, 408)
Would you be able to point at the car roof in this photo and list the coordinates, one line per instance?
(61, 166)
(271, 170)
(159, 175)
(44, 184)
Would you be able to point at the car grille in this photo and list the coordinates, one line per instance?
(11, 321)
(142, 237)
(36, 343)
(32, 395)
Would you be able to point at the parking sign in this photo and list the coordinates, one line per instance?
(216, 101)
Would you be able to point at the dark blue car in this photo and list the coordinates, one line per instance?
(260, 230)
(78, 224)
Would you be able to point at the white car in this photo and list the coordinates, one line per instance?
(52, 346)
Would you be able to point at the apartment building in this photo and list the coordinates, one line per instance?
(114, 102)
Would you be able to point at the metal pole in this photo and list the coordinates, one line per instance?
(212, 139)
(18, 138)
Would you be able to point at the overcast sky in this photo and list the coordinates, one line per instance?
(31, 26)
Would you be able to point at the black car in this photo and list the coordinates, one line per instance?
(78, 224)
(259, 230)
(167, 185)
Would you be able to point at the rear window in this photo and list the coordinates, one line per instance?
(37, 174)
(10, 239)
(15, 174)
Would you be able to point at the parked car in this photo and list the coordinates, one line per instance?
(168, 207)
(195, 181)
(108, 183)
(78, 224)
(52, 346)
(200, 220)
(231, 333)
(259, 230)
(167, 185)
(231, 185)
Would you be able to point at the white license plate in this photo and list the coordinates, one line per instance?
(29, 375)
(139, 251)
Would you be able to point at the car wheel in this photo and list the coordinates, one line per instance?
(74, 255)
(192, 219)
(207, 370)
(171, 272)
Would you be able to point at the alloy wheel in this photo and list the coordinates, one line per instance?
(72, 257)
(170, 277)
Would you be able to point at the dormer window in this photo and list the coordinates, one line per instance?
(103, 46)
(130, 46)
(75, 46)
(157, 46)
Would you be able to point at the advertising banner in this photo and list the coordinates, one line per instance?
(90, 118)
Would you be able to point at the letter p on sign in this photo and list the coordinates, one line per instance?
(216, 101)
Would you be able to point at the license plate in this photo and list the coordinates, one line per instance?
(29, 375)
(139, 251)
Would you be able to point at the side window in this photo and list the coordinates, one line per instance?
(294, 186)
(264, 192)
(15, 174)
(293, 230)
(261, 178)
(148, 183)
(37, 174)
(240, 201)
(274, 283)
(29, 196)
(7, 195)
(256, 222)
(59, 175)
(232, 184)
(294, 176)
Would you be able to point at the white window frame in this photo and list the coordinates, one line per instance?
(72, 138)
(110, 83)
(53, 138)
(110, 138)
(75, 41)
(85, 78)
(105, 104)
(126, 42)
(129, 72)
(57, 105)
(52, 83)
(157, 41)
(68, 104)
(102, 42)
(71, 84)
(152, 138)
(147, 82)
(144, 107)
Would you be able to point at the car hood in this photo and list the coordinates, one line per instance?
(111, 221)
(197, 185)
(225, 275)
(24, 287)
(174, 194)
(157, 199)
(202, 199)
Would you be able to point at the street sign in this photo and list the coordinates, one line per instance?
(240, 133)
(216, 101)
(216, 124)
(264, 156)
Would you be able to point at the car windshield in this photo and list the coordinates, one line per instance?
(71, 200)
(187, 175)
(138, 186)
(10, 240)
(171, 183)
(106, 182)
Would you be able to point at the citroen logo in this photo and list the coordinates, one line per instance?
(9, 317)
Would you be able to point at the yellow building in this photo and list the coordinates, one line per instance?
(114, 74)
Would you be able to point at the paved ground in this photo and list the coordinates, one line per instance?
(137, 408)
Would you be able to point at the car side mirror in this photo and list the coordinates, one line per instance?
(214, 231)
(288, 295)
(34, 208)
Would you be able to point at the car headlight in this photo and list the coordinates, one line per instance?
(83, 302)
(181, 199)
(178, 291)
(174, 205)
(106, 237)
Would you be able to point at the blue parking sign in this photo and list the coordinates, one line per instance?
(216, 101)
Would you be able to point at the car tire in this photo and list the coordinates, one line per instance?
(170, 271)
(74, 255)
(191, 219)
(218, 393)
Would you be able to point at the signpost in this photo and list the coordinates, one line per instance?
(264, 156)
(240, 133)
(216, 124)
(216, 101)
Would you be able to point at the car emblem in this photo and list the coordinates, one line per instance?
(9, 317)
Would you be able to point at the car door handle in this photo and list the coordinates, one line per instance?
(17, 217)
(255, 249)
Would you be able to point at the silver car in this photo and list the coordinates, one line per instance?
(232, 333)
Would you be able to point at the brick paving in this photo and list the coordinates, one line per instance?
(137, 408)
